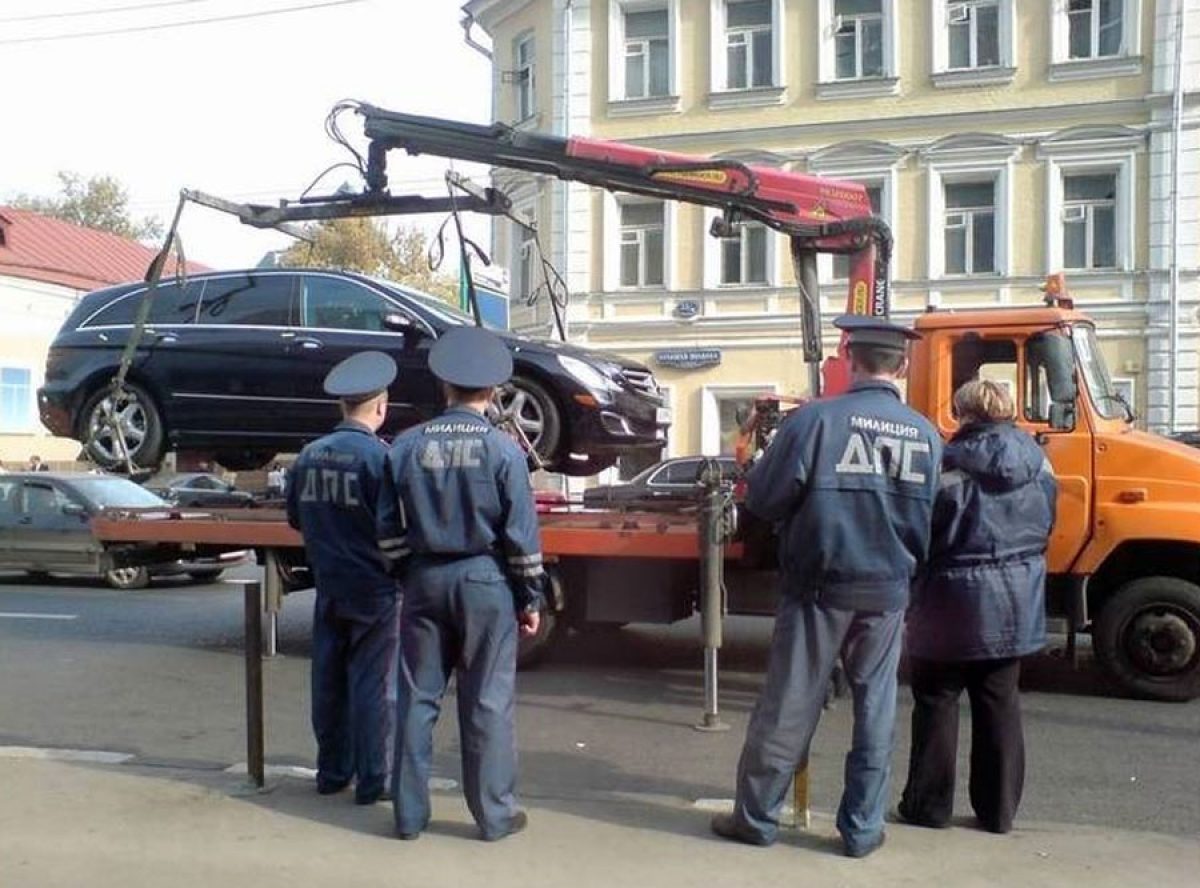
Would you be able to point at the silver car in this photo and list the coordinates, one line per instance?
(45, 528)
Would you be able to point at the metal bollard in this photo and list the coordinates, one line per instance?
(255, 755)
(712, 569)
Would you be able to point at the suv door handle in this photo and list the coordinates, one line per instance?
(309, 344)
(169, 338)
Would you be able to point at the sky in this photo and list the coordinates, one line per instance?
(235, 108)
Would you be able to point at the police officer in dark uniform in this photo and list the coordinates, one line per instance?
(462, 515)
(850, 482)
(332, 496)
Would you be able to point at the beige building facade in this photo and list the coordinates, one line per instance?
(1002, 140)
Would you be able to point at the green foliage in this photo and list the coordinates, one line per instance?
(100, 202)
(365, 246)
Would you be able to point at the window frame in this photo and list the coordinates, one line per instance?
(968, 225)
(710, 409)
(714, 257)
(1126, 62)
(829, 84)
(612, 229)
(721, 95)
(30, 423)
(944, 76)
(525, 76)
(1089, 205)
(638, 232)
(1088, 157)
(966, 162)
(620, 103)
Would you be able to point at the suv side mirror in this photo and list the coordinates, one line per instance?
(399, 323)
(73, 509)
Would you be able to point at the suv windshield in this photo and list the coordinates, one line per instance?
(1109, 403)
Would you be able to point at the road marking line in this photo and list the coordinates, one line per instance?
(96, 756)
(12, 615)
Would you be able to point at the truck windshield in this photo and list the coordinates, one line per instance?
(1108, 402)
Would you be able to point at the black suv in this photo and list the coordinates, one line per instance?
(232, 364)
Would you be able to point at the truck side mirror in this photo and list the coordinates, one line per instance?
(1062, 416)
(1053, 352)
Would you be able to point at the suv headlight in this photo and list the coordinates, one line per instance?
(591, 378)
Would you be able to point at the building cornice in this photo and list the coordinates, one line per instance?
(489, 13)
(869, 127)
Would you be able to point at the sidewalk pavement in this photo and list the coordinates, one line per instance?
(103, 826)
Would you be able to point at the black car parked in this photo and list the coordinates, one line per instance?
(232, 363)
(668, 483)
(45, 527)
(199, 490)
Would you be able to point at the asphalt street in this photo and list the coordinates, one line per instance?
(157, 674)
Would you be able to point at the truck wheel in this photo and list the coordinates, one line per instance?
(1147, 637)
(140, 423)
(533, 649)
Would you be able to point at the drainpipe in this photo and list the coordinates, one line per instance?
(568, 16)
(468, 22)
(1176, 155)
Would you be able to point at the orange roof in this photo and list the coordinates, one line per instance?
(41, 248)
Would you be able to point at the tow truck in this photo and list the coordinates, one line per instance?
(1124, 556)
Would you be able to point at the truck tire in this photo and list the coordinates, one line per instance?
(1147, 638)
(128, 577)
(533, 649)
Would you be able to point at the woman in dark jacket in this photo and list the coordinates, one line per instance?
(977, 608)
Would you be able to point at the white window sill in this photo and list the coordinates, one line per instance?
(644, 107)
(1088, 69)
(991, 76)
(743, 287)
(755, 97)
(862, 88)
(982, 277)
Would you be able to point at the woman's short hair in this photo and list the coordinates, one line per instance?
(982, 400)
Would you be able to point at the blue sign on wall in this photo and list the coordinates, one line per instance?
(688, 358)
(687, 309)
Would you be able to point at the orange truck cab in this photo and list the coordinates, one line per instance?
(1124, 556)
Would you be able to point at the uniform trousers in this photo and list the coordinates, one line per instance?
(458, 618)
(807, 640)
(354, 692)
(997, 742)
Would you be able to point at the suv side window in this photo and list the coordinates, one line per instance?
(43, 501)
(681, 473)
(248, 300)
(172, 303)
(331, 303)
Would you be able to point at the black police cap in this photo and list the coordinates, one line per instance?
(877, 332)
(471, 358)
(360, 376)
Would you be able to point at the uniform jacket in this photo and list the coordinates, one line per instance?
(458, 487)
(982, 595)
(331, 499)
(850, 482)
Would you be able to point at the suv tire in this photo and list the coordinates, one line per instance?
(140, 421)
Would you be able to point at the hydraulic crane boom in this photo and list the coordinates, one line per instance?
(818, 215)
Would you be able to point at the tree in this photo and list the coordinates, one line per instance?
(100, 202)
(364, 245)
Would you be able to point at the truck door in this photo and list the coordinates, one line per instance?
(1038, 372)
(1050, 411)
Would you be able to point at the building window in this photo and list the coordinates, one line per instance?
(642, 244)
(858, 40)
(523, 77)
(973, 31)
(647, 53)
(744, 258)
(1094, 28)
(723, 408)
(970, 228)
(749, 44)
(841, 263)
(1089, 220)
(525, 261)
(16, 399)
